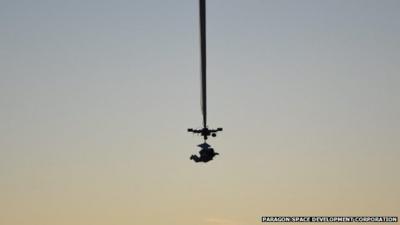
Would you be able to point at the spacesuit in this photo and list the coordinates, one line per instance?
(206, 153)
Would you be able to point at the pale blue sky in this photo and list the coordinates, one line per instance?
(96, 97)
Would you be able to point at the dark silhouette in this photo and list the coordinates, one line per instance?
(205, 132)
(206, 153)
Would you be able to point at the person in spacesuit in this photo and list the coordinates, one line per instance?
(206, 153)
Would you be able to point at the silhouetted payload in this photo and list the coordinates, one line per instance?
(206, 153)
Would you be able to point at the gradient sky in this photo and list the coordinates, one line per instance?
(96, 97)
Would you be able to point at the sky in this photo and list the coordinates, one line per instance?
(96, 97)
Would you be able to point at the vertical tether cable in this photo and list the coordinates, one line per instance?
(203, 60)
